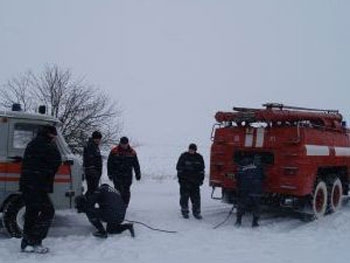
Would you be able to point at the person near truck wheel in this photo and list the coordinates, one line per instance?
(92, 162)
(41, 161)
(190, 172)
(111, 209)
(121, 161)
(249, 178)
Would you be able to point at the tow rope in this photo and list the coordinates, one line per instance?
(152, 228)
(228, 216)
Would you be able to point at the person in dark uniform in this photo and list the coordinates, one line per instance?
(121, 161)
(92, 162)
(41, 161)
(190, 173)
(111, 209)
(249, 178)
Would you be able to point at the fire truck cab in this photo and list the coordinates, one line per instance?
(305, 152)
(17, 128)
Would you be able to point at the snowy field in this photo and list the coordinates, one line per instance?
(155, 202)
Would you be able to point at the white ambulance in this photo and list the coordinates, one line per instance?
(17, 128)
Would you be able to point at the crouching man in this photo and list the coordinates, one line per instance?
(104, 204)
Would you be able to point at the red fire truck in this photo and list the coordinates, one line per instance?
(305, 152)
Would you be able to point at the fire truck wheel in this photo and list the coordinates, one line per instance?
(319, 199)
(13, 216)
(335, 195)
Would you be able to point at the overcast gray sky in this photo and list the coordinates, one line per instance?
(173, 64)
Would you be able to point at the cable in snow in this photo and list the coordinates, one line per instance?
(228, 216)
(152, 228)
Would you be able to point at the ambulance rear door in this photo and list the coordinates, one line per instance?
(20, 133)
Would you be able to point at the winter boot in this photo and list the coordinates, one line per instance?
(198, 216)
(255, 221)
(40, 249)
(131, 230)
(100, 234)
(238, 221)
(24, 244)
(28, 248)
(185, 214)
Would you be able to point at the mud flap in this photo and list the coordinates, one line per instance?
(214, 197)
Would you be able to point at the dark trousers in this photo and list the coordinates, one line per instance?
(92, 179)
(123, 186)
(95, 217)
(189, 190)
(38, 216)
(248, 202)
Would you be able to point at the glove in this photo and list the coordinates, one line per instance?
(138, 177)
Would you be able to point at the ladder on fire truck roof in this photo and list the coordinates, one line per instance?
(281, 106)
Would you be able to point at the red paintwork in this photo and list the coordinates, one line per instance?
(286, 134)
(13, 171)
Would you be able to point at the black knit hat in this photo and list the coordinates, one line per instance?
(193, 147)
(124, 140)
(96, 135)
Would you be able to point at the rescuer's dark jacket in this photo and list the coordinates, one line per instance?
(111, 208)
(120, 164)
(190, 168)
(41, 161)
(92, 158)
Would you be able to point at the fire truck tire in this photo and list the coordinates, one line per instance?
(335, 195)
(319, 199)
(13, 216)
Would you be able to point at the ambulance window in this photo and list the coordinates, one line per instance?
(23, 134)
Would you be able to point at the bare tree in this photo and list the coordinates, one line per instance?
(17, 90)
(81, 108)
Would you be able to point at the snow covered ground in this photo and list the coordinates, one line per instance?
(155, 202)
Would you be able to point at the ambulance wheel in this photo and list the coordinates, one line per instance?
(335, 195)
(13, 216)
(319, 199)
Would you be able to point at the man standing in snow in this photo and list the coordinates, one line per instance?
(92, 162)
(41, 161)
(249, 180)
(190, 173)
(111, 209)
(121, 161)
